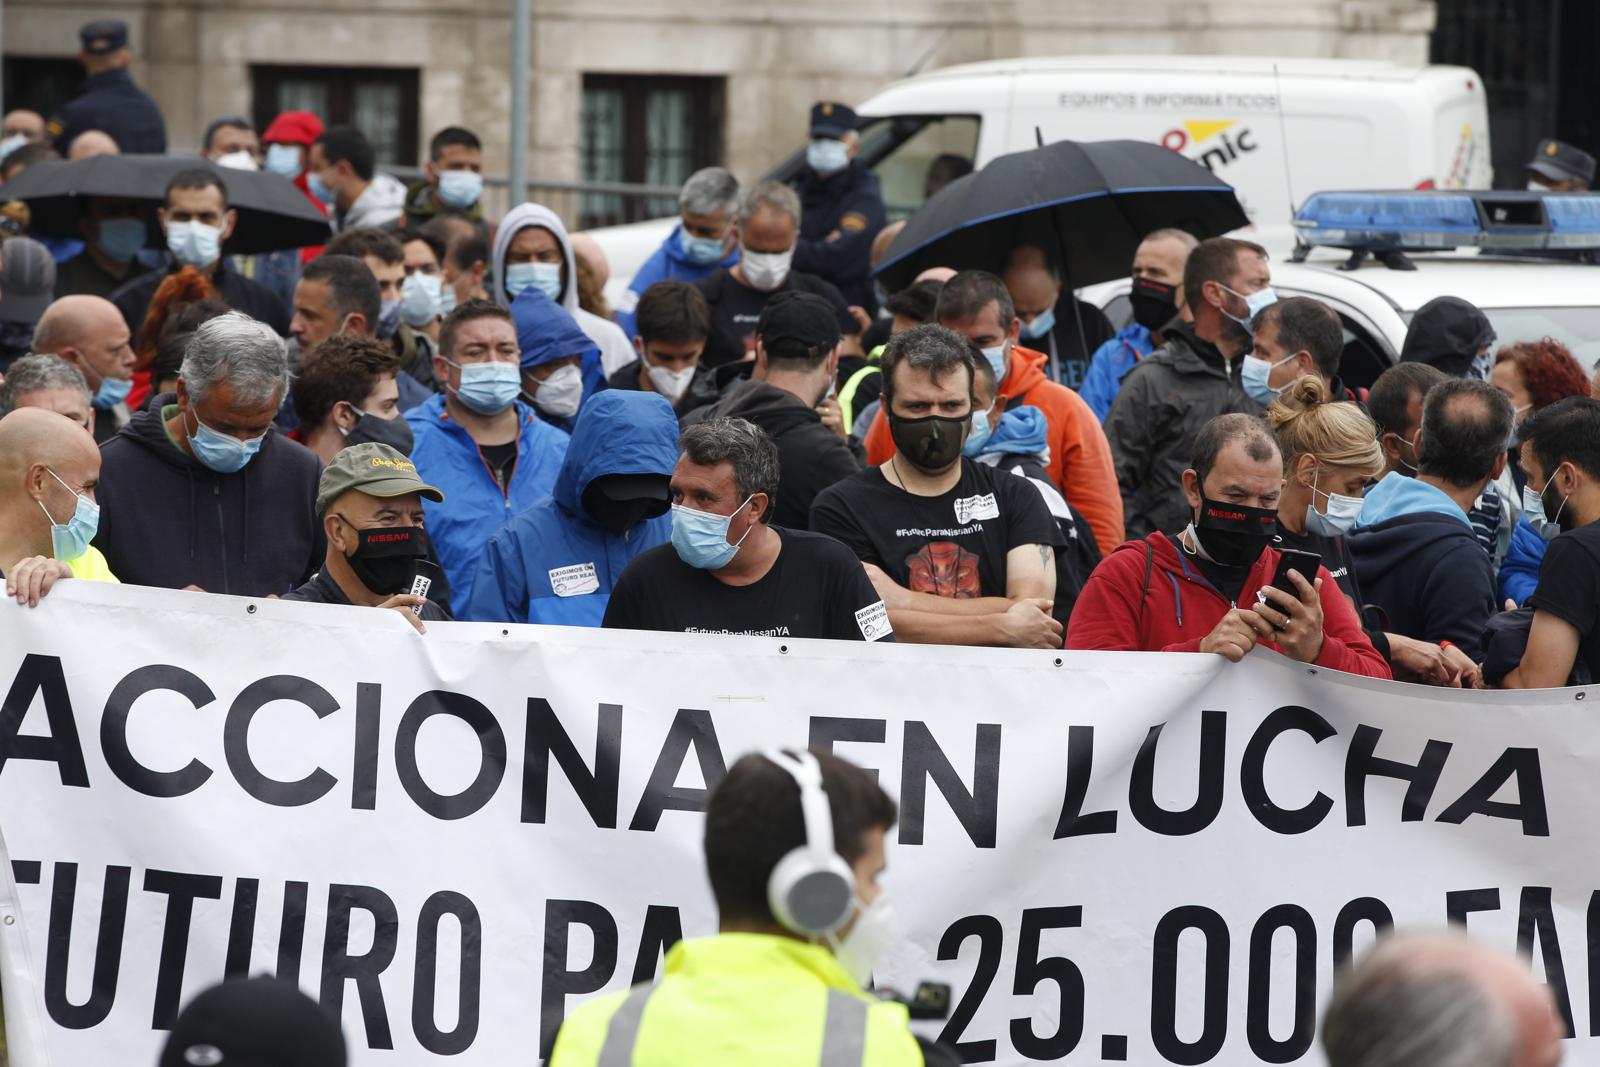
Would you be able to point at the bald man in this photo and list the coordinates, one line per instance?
(1045, 308)
(92, 143)
(49, 467)
(89, 333)
(18, 128)
(1436, 1000)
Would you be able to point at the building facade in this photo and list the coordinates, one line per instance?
(640, 91)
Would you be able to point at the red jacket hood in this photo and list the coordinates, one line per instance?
(293, 127)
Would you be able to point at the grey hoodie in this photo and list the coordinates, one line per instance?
(616, 350)
(380, 203)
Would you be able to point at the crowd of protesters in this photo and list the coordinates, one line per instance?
(757, 442)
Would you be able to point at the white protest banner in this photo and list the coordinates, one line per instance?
(452, 838)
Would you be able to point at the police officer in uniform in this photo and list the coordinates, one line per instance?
(841, 206)
(109, 101)
(1558, 167)
(794, 844)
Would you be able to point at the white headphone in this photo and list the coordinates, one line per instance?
(811, 889)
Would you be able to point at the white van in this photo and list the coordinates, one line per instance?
(1277, 130)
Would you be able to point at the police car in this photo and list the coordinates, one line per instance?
(1528, 260)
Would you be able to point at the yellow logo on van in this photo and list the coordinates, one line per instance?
(1200, 129)
(1213, 143)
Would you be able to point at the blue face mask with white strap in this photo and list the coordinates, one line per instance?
(546, 276)
(222, 452)
(701, 250)
(121, 239)
(701, 538)
(459, 189)
(1254, 376)
(1254, 303)
(488, 388)
(112, 392)
(70, 539)
(194, 243)
(1041, 325)
(827, 156)
(978, 436)
(284, 159)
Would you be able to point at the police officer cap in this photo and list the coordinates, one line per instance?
(1560, 162)
(104, 35)
(829, 119)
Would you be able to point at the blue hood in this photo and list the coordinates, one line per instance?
(1022, 431)
(619, 431)
(546, 331)
(1397, 495)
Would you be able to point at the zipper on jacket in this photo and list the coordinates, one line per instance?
(222, 536)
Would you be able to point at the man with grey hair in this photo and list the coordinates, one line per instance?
(727, 570)
(705, 239)
(769, 228)
(962, 553)
(199, 489)
(1439, 1000)
(49, 382)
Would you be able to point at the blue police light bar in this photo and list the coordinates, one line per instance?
(1431, 220)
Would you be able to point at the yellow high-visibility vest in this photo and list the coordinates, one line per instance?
(739, 999)
(92, 567)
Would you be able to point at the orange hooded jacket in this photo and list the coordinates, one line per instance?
(1080, 458)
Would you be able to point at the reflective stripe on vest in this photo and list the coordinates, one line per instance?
(844, 1031)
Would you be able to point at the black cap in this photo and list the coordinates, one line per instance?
(830, 119)
(103, 35)
(633, 486)
(254, 1022)
(1561, 162)
(798, 326)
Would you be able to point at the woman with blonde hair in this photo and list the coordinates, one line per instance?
(1330, 452)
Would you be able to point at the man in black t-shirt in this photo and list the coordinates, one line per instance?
(962, 553)
(727, 571)
(1560, 451)
(769, 227)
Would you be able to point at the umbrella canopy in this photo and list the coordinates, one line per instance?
(273, 213)
(1086, 205)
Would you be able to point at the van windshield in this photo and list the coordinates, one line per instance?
(916, 155)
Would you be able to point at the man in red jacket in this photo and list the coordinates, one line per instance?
(1209, 588)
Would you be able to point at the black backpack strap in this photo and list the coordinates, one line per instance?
(1144, 593)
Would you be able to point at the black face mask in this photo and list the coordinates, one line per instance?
(1234, 535)
(1154, 303)
(619, 516)
(932, 442)
(385, 559)
(395, 432)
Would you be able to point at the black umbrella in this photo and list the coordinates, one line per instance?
(273, 213)
(1088, 205)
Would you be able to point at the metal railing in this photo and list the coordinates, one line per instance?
(575, 201)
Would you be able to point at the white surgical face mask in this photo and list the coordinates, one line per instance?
(561, 394)
(765, 271)
(873, 931)
(671, 384)
(240, 160)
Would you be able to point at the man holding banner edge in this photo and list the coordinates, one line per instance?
(1182, 593)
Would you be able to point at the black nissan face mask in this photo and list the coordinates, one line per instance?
(1154, 303)
(1233, 535)
(932, 442)
(385, 559)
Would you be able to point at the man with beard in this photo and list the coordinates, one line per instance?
(960, 552)
(1210, 587)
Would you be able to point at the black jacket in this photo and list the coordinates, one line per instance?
(167, 520)
(322, 590)
(810, 456)
(702, 386)
(850, 205)
(1164, 401)
(1429, 576)
(112, 103)
(1447, 332)
(237, 291)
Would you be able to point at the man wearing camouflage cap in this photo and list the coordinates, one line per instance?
(370, 502)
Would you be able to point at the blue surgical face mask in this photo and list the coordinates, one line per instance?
(1041, 325)
(121, 239)
(978, 436)
(1480, 367)
(284, 159)
(388, 318)
(1533, 510)
(319, 188)
(999, 362)
(701, 538)
(194, 243)
(488, 388)
(447, 298)
(222, 452)
(459, 189)
(701, 250)
(1255, 374)
(1340, 516)
(1254, 303)
(827, 156)
(71, 539)
(420, 297)
(112, 392)
(546, 276)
